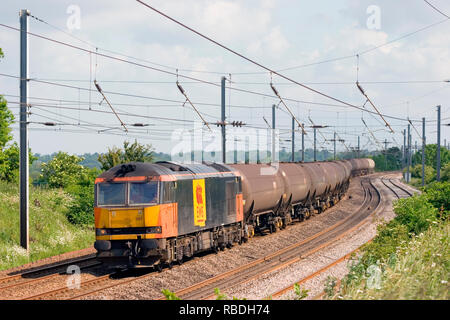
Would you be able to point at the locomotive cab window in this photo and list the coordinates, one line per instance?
(168, 191)
(111, 194)
(143, 193)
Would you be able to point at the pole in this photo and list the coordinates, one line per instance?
(303, 144)
(224, 151)
(423, 152)
(438, 143)
(273, 133)
(415, 151)
(24, 161)
(315, 158)
(257, 149)
(385, 154)
(408, 149)
(235, 150)
(404, 148)
(358, 147)
(334, 146)
(293, 140)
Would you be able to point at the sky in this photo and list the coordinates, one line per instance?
(399, 51)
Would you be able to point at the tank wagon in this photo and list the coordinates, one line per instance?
(155, 214)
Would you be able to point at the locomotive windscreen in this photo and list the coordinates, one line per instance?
(111, 194)
(143, 193)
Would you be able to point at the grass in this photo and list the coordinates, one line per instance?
(409, 258)
(50, 231)
(419, 269)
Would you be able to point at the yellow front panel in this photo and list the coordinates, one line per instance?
(126, 218)
(152, 216)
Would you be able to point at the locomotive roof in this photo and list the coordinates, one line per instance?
(163, 168)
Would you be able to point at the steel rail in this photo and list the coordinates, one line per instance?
(266, 264)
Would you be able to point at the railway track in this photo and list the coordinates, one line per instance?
(289, 255)
(397, 189)
(243, 274)
(45, 273)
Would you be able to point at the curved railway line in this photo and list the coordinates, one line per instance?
(291, 254)
(397, 190)
(394, 188)
(203, 290)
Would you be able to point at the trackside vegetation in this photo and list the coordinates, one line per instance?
(51, 233)
(409, 258)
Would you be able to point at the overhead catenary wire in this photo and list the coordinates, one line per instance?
(370, 101)
(177, 101)
(287, 108)
(243, 73)
(90, 53)
(246, 58)
(192, 105)
(99, 89)
(436, 9)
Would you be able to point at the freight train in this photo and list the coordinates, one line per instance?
(156, 214)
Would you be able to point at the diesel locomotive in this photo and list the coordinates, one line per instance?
(156, 214)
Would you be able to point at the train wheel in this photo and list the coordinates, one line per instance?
(158, 267)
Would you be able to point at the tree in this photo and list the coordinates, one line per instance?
(431, 154)
(6, 119)
(445, 174)
(430, 173)
(389, 160)
(134, 152)
(63, 170)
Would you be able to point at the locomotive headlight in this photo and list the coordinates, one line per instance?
(154, 230)
(101, 232)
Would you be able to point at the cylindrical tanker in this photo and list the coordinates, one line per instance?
(346, 168)
(262, 185)
(331, 175)
(341, 173)
(296, 180)
(371, 165)
(355, 164)
(317, 174)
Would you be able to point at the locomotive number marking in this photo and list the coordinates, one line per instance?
(198, 187)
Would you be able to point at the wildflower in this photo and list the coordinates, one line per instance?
(443, 281)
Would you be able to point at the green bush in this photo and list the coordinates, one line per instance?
(62, 171)
(81, 210)
(416, 213)
(430, 173)
(438, 194)
(445, 173)
(415, 217)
